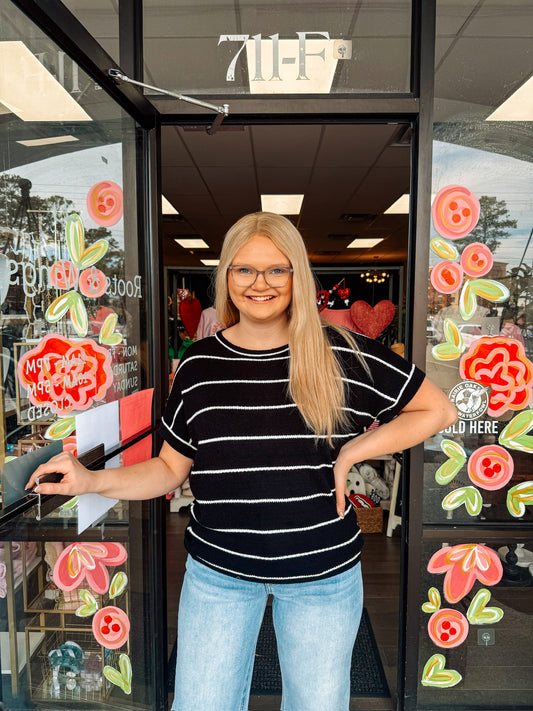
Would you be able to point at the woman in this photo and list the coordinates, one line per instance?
(268, 416)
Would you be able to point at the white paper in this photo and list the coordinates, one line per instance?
(93, 427)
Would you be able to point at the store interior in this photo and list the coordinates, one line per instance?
(354, 216)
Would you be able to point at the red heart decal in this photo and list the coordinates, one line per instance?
(343, 293)
(371, 321)
(190, 312)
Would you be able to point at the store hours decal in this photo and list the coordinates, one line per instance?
(497, 378)
(63, 375)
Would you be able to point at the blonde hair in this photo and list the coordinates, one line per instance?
(315, 374)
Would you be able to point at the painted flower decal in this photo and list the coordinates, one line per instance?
(88, 561)
(77, 273)
(500, 364)
(111, 627)
(455, 211)
(66, 375)
(463, 564)
(104, 203)
(490, 467)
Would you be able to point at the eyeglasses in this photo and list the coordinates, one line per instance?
(244, 275)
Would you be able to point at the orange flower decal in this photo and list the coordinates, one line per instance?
(502, 365)
(65, 375)
(104, 203)
(463, 564)
(88, 561)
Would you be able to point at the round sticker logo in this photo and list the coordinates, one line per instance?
(470, 398)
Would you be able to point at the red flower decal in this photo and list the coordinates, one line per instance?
(63, 274)
(65, 375)
(462, 565)
(500, 364)
(88, 561)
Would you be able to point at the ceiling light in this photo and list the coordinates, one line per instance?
(365, 242)
(48, 141)
(278, 60)
(518, 107)
(28, 89)
(167, 208)
(400, 207)
(210, 262)
(282, 204)
(192, 243)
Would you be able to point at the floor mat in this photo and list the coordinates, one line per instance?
(367, 677)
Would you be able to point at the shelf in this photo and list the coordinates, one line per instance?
(35, 639)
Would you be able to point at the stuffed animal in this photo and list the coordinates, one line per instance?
(364, 479)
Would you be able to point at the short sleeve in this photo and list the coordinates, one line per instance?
(394, 380)
(174, 428)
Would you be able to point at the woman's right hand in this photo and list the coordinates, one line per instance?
(76, 479)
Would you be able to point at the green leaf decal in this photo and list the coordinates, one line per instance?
(452, 334)
(107, 336)
(90, 605)
(78, 315)
(70, 504)
(467, 301)
(479, 614)
(121, 678)
(457, 458)
(59, 307)
(75, 236)
(490, 290)
(467, 495)
(514, 434)
(446, 351)
(433, 603)
(61, 429)
(93, 253)
(436, 674)
(444, 249)
(518, 497)
(118, 584)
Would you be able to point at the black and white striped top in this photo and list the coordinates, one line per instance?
(264, 507)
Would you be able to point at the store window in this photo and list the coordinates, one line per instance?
(74, 376)
(277, 48)
(101, 20)
(476, 610)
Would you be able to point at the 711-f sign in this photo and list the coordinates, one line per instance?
(276, 53)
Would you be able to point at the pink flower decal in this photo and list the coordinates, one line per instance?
(104, 203)
(111, 627)
(476, 259)
(65, 375)
(490, 467)
(500, 364)
(448, 628)
(462, 565)
(447, 277)
(93, 282)
(455, 211)
(63, 274)
(88, 561)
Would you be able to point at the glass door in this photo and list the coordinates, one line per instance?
(76, 608)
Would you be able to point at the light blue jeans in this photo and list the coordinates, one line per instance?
(218, 624)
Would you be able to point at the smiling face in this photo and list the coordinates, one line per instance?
(261, 303)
